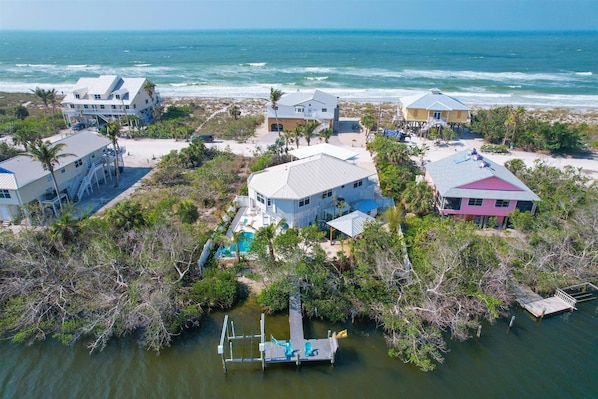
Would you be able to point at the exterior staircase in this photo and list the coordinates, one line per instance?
(86, 184)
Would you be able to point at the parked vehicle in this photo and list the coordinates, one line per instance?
(78, 126)
(206, 138)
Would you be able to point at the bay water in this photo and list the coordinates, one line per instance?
(554, 358)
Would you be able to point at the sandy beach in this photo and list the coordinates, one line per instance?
(147, 152)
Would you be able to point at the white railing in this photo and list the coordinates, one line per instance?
(565, 297)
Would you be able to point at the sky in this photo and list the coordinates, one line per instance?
(475, 15)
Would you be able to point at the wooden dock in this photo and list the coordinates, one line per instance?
(296, 350)
(541, 307)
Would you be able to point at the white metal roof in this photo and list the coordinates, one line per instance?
(317, 100)
(22, 170)
(351, 224)
(105, 84)
(433, 100)
(463, 168)
(305, 177)
(323, 148)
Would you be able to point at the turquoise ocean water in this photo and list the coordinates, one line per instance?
(529, 69)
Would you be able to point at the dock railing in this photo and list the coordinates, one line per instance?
(565, 297)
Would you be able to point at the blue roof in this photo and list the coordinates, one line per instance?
(365, 205)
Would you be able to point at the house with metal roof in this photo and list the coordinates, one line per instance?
(312, 190)
(23, 180)
(421, 111)
(469, 186)
(298, 108)
(94, 101)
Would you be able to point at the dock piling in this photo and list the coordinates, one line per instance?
(511, 324)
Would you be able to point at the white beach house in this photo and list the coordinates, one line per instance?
(23, 179)
(106, 98)
(312, 190)
(298, 108)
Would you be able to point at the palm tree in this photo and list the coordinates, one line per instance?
(44, 95)
(237, 238)
(149, 88)
(275, 95)
(112, 132)
(297, 133)
(326, 134)
(267, 234)
(235, 112)
(48, 155)
(20, 112)
(308, 130)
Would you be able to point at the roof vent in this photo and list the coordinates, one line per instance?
(435, 91)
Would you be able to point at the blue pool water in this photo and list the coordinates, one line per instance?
(244, 246)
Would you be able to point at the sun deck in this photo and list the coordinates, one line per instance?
(296, 350)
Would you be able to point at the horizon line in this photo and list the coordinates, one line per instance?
(364, 30)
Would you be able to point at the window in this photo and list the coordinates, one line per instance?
(260, 198)
(436, 115)
(102, 106)
(62, 170)
(146, 101)
(126, 107)
(77, 96)
(304, 201)
(324, 109)
(97, 96)
(269, 202)
(85, 106)
(452, 203)
(72, 105)
(327, 194)
(78, 163)
(4, 193)
(475, 202)
(134, 106)
(501, 204)
(358, 184)
(525, 206)
(299, 109)
(113, 106)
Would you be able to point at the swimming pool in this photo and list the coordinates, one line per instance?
(244, 246)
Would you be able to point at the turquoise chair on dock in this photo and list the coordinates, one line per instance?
(308, 350)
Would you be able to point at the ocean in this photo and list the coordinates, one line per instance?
(484, 69)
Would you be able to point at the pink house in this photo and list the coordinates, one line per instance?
(470, 186)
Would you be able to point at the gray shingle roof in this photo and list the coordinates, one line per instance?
(305, 177)
(452, 173)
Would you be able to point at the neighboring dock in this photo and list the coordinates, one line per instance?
(296, 350)
(541, 307)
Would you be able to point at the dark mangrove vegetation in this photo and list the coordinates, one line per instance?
(129, 271)
(459, 275)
